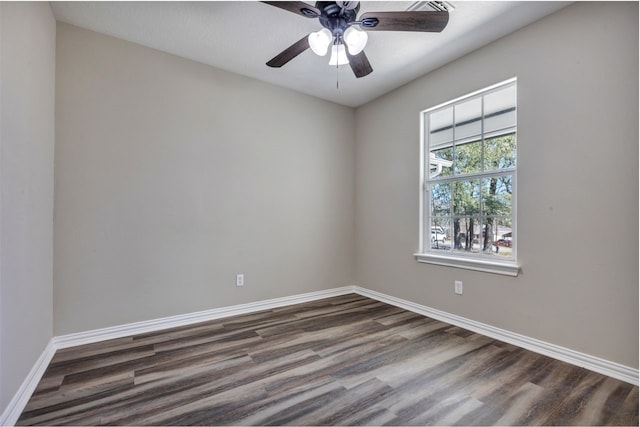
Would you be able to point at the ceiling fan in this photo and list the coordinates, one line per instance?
(340, 30)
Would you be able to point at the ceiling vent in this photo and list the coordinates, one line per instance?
(438, 6)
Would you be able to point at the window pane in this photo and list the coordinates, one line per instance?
(500, 109)
(466, 197)
(440, 232)
(501, 237)
(466, 234)
(468, 117)
(468, 158)
(441, 163)
(441, 126)
(500, 152)
(441, 199)
(500, 121)
(496, 195)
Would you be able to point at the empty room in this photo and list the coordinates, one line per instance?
(329, 213)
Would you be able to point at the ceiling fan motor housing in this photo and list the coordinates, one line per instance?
(335, 18)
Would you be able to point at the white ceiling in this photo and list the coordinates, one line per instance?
(242, 36)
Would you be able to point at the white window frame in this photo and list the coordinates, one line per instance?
(478, 262)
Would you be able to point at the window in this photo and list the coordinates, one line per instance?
(469, 181)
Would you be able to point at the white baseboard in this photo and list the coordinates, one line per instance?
(21, 398)
(154, 325)
(596, 364)
(12, 412)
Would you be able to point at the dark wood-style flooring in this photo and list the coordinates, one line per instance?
(347, 360)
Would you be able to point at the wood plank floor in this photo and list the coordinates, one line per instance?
(347, 360)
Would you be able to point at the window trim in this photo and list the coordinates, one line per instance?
(471, 262)
(507, 268)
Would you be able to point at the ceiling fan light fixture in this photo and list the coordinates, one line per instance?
(341, 29)
(338, 55)
(349, 5)
(355, 40)
(320, 41)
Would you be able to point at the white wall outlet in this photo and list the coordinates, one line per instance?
(239, 279)
(457, 287)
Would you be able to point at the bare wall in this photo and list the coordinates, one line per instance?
(27, 85)
(577, 76)
(173, 176)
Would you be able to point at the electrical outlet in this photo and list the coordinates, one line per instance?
(239, 279)
(457, 287)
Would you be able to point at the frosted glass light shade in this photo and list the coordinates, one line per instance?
(320, 41)
(350, 5)
(338, 55)
(355, 40)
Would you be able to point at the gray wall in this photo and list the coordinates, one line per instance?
(172, 176)
(577, 184)
(27, 83)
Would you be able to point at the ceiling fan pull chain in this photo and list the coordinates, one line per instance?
(337, 78)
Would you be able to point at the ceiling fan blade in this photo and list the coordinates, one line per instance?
(289, 53)
(297, 7)
(359, 64)
(427, 21)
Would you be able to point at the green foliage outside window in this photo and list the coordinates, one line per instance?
(471, 203)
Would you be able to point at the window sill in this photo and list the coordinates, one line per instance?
(484, 265)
